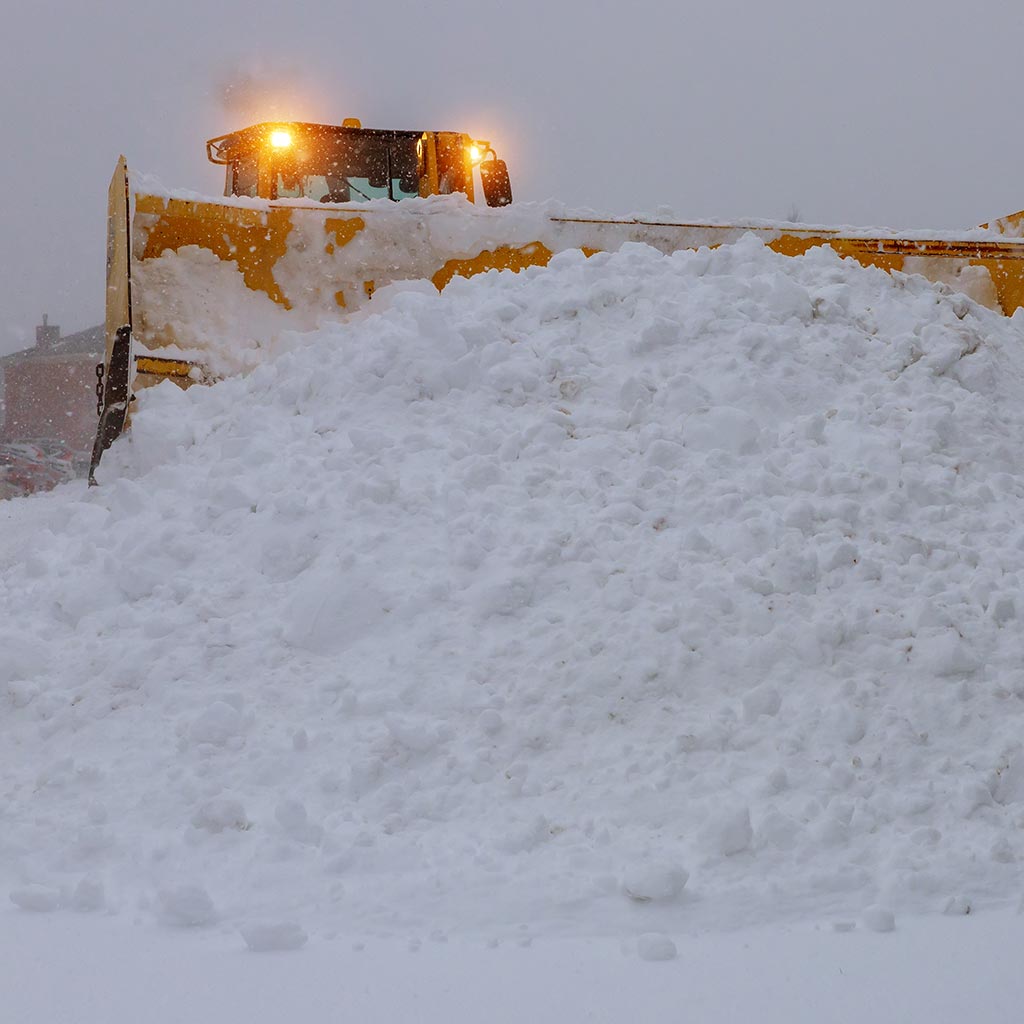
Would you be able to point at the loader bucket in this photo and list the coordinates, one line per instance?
(215, 282)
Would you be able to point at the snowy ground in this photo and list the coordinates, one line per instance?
(934, 971)
(640, 596)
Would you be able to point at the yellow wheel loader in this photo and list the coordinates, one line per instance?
(315, 218)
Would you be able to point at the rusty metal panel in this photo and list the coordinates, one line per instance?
(119, 303)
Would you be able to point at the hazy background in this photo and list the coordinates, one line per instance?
(905, 112)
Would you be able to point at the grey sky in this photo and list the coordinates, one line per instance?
(902, 112)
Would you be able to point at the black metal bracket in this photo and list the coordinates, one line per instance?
(116, 384)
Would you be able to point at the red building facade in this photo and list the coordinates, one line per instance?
(50, 390)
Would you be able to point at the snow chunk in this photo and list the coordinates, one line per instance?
(507, 597)
(1002, 852)
(332, 607)
(1009, 787)
(957, 905)
(270, 937)
(417, 737)
(946, 655)
(88, 896)
(23, 658)
(879, 919)
(490, 722)
(730, 832)
(654, 882)
(217, 725)
(219, 814)
(722, 429)
(187, 906)
(655, 946)
(40, 898)
(293, 818)
(22, 693)
(763, 700)
(1004, 609)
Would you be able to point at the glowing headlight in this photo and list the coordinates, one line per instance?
(280, 139)
(476, 154)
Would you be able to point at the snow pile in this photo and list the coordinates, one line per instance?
(634, 594)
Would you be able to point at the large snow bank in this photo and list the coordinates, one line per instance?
(637, 593)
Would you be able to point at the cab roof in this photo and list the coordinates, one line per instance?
(225, 148)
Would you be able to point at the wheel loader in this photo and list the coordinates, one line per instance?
(315, 218)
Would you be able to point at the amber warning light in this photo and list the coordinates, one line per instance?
(478, 150)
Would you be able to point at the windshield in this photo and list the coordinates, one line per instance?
(350, 168)
(245, 180)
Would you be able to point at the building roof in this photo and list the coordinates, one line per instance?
(89, 342)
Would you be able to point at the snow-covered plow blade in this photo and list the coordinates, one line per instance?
(216, 281)
(208, 286)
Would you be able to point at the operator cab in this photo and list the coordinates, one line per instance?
(349, 163)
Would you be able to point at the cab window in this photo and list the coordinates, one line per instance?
(352, 168)
(244, 180)
(451, 165)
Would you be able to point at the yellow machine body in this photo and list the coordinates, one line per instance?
(203, 284)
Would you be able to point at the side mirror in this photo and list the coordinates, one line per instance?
(496, 185)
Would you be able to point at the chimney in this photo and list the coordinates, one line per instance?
(47, 336)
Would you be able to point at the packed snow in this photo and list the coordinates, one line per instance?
(635, 596)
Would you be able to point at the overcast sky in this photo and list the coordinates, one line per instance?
(899, 112)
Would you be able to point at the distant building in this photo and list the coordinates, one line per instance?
(49, 391)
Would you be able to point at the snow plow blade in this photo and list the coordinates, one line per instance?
(207, 287)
